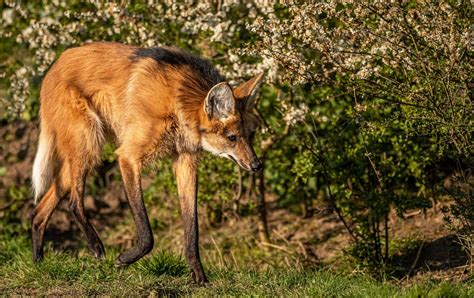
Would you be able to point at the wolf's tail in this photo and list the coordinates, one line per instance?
(43, 166)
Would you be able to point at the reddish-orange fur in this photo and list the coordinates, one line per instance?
(150, 109)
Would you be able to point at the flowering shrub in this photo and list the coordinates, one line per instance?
(404, 69)
(416, 55)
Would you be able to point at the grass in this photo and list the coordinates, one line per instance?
(164, 273)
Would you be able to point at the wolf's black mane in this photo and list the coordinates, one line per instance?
(175, 58)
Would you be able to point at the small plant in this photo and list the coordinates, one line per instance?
(164, 263)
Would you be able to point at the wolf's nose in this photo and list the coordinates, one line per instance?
(256, 165)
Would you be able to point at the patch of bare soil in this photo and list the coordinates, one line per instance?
(318, 240)
(438, 254)
(17, 147)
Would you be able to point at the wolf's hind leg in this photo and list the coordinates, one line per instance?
(40, 218)
(77, 209)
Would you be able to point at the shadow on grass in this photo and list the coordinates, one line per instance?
(438, 255)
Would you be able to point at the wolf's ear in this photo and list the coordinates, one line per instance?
(247, 92)
(219, 102)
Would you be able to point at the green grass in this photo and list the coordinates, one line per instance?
(166, 274)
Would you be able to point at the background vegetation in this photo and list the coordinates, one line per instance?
(367, 114)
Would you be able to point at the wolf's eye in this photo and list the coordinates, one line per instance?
(232, 138)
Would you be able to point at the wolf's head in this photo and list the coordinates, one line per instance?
(230, 124)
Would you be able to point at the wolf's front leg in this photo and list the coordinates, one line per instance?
(130, 170)
(186, 177)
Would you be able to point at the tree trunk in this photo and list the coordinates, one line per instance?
(263, 233)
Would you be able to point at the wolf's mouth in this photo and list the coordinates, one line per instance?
(234, 160)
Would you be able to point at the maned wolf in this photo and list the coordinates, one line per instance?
(152, 103)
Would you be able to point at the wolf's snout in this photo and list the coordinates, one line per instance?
(256, 165)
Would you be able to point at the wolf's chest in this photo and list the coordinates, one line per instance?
(170, 141)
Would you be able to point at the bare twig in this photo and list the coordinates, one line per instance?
(276, 247)
(6, 206)
(234, 259)
(219, 252)
(377, 173)
(418, 254)
(261, 206)
(326, 177)
(275, 231)
(239, 193)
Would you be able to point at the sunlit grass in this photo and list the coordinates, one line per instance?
(163, 263)
(164, 273)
